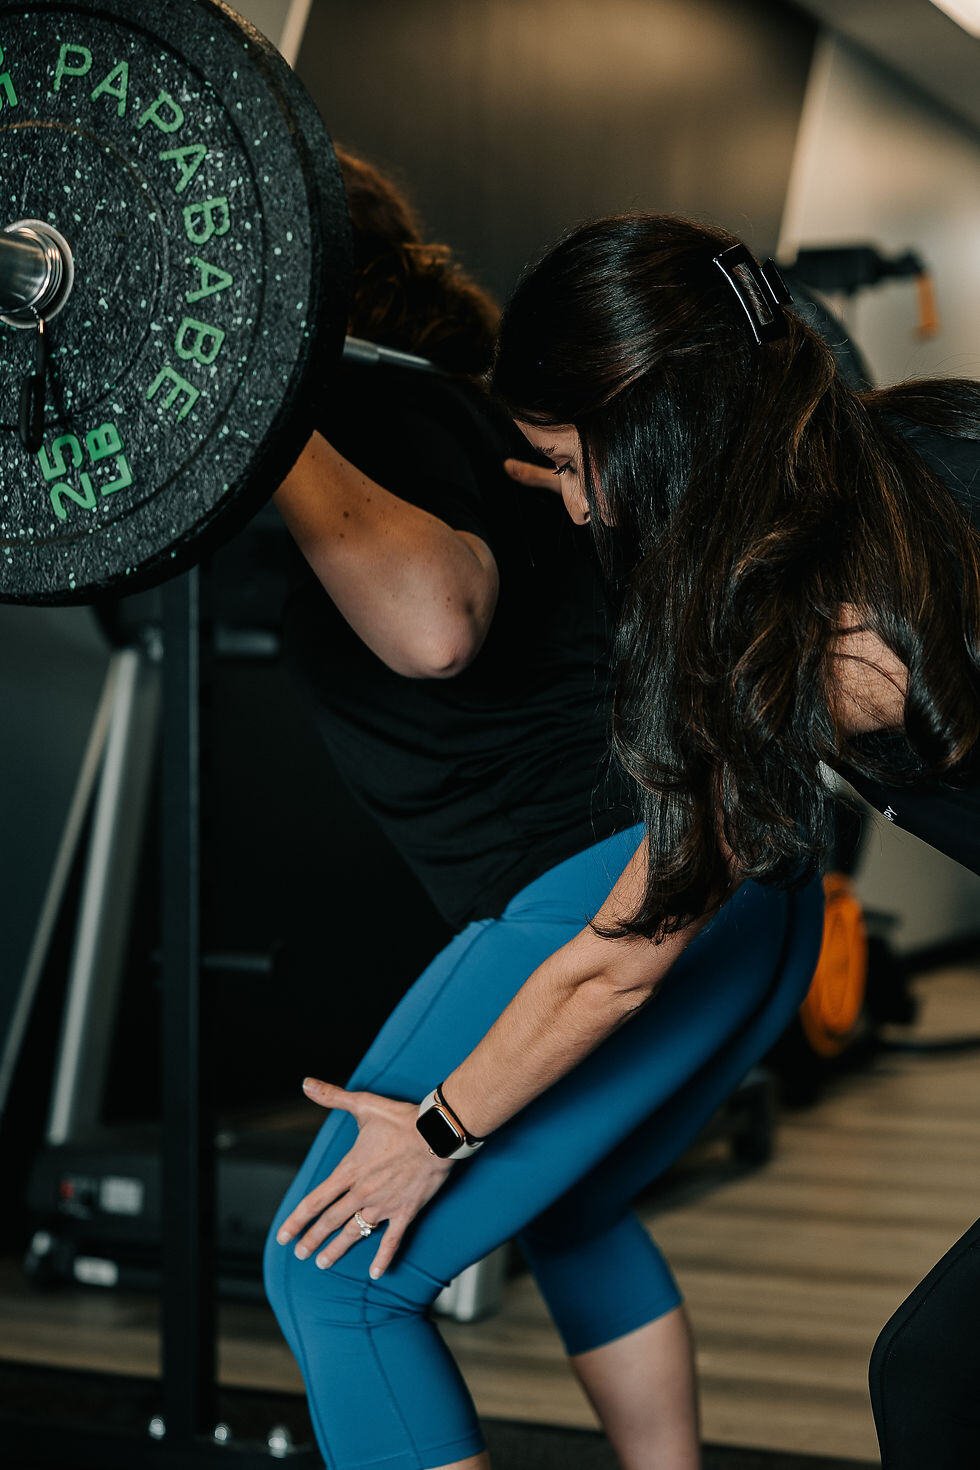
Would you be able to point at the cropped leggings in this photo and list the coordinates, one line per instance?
(559, 1176)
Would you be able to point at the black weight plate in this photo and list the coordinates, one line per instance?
(195, 183)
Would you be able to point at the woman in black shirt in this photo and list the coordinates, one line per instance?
(458, 670)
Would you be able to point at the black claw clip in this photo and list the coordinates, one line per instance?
(761, 292)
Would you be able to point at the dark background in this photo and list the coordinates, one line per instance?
(510, 120)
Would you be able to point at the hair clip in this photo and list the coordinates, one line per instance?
(760, 289)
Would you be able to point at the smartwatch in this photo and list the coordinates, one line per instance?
(442, 1130)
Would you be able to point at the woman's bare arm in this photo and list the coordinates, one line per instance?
(418, 593)
(589, 987)
(575, 999)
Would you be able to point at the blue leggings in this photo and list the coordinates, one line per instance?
(559, 1176)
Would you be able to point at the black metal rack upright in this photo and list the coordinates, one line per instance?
(188, 1313)
(186, 1433)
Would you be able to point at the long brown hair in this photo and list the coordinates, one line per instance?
(752, 494)
(409, 293)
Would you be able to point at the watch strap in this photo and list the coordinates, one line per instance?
(470, 1137)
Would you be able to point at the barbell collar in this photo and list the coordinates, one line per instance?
(25, 272)
(36, 272)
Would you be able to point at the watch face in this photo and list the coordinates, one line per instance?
(438, 1132)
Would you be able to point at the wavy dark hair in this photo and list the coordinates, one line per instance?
(409, 293)
(754, 495)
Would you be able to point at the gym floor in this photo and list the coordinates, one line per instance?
(789, 1270)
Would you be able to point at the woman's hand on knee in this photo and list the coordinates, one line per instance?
(388, 1174)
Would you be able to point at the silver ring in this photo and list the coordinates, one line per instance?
(362, 1224)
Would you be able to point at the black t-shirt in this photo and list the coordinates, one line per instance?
(484, 780)
(946, 816)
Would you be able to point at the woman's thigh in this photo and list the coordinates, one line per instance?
(644, 1154)
(438, 1021)
(715, 989)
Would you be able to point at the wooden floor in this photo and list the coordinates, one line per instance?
(789, 1271)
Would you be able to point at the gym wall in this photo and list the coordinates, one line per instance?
(269, 15)
(878, 160)
(510, 121)
(283, 21)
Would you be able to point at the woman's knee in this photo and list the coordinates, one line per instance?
(314, 1300)
(275, 1262)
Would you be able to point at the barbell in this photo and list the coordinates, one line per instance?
(174, 285)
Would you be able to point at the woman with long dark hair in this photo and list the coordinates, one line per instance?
(803, 592)
(454, 641)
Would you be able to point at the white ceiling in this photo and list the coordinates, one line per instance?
(916, 39)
